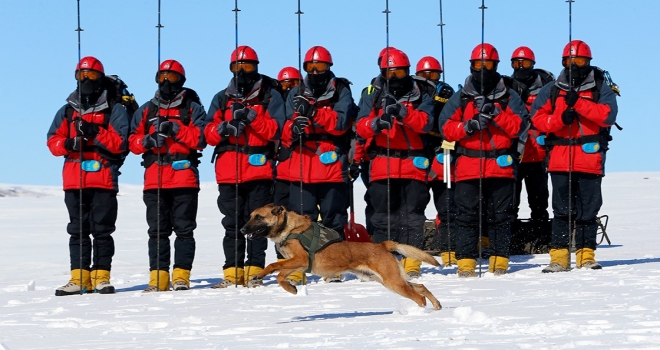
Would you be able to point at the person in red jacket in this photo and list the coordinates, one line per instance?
(288, 77)
(90, 132)
(527, 81)
(168, 132)
(577, 112)
(397, 117)
(484, 119)
(429, 69)
(243, 122)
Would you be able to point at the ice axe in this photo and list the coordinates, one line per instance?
(354, 232)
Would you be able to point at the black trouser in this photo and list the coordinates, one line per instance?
(443, 198)
(281, 197)
(369, 209)
(330, 199)
(99, 214)
(497, 206)
(408, 200)
(177, 212)
(251, 195)
(536, 184)
(586, 200)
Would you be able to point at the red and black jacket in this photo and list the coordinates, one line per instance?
(190, 117)
(108, 147)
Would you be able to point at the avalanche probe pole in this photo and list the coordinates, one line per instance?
(160, 173)
(481, 147)
(571, 236)
(446, 151)
(80, 182)
(236, 10)
(301, 90)
(387, 88)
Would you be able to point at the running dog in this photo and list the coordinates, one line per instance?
(285, 229)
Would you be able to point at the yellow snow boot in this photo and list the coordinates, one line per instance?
(297, 277)
(498, 265)
(559, 260)
(466, 268)
(75, 285)
(230, 274)
(448, 258)
(159, 280)
(180, 279)
(249, 272)
(101, 282)
(412, 267)
(586, 258)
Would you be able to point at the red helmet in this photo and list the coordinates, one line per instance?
(383, 52)
(488, 52)
(288, 73)
(90, 62)
(395, 59)
(428, 63)
(577, 48)
(174, 66)
(243, 53)
(318, 54)
(523, 52)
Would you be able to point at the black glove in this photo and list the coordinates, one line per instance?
(379, 124)
(571, 98)
(299, 125)
(233, 127)
(167, 128)
(354, 170)
(479, 122)
(568, 116)
(480, 101)
(303, 107)
(86, 129)
(72, 144)
(489, 111)
(154, 140)
(242, 113)
(391, 106)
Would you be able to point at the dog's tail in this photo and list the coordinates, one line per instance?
(410, 252)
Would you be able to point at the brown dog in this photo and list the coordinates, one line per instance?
(371, 259)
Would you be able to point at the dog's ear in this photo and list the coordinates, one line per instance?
(277, 210)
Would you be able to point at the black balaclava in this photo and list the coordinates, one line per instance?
(523, 74)
(400, 86)
(319, 82)
(90, 90)
(168, 90)
(490, 79)
(578, 74)
(245, 81)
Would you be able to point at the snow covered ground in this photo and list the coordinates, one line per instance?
(615, 308)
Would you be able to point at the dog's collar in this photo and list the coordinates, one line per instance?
(283, 224)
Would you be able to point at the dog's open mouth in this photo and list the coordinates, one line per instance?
(256, 233)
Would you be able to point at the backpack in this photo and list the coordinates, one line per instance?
(117, 93)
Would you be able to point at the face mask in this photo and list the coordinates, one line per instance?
(523, 74)
(578, 74)
(243, 78)
(168, 89)
(400, 86)
(89, 87)
(320, 80)
(490, 79)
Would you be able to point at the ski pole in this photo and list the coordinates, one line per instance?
(236, 10)
(571, 235)
(159, 174)
(301, 90)
(481, 147)
(387, 88)
(446, 151)
(80, 182)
